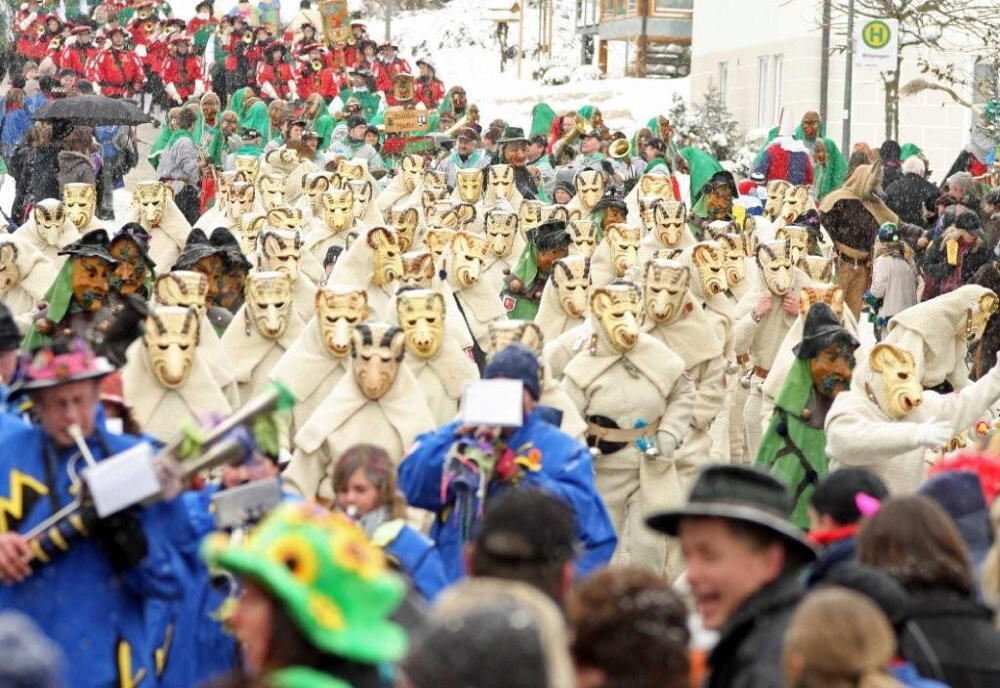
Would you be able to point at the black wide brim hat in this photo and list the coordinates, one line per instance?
(737, 493)
(229, 248)
(513, 135)
(196, 247)
(139, 236)
(94, 244)
(611, 199)
(820, 330)
(720, 178)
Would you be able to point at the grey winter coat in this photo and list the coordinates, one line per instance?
(75, 168)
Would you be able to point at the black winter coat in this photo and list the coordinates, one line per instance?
(952, 639)
(748, 654)
(906, 197)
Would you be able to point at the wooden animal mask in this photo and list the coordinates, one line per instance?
(775, 261)
(268, 302)
(500, 179)
(413, 170)
(376, 352)
(241, 197)
(582, 237)
(421, 314)
(279, 250)
(468, 256)
(900, 391)
(338, 210)
(501, 231)
(79, 201)
(589, 187)
(503, 333)
(418, 269)
(10, 273)
(271, 187)
(171, 340)
(776, 189)
(470, 185)
(665, 283)
(669, 218)
(338, 310)
(707, 258)
(150, 199)
(624, 243)
(49, 215)
(616, 309)
(571, 278)
(388, 260)
(404, 220)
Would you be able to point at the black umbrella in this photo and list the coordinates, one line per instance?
(92, 111)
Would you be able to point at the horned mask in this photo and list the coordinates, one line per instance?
(413, 171)
(776, 189)
(669, 218)
(171, 341)
(500, 179)
(571, 278)
(268, 302)
(616, 308)
(10, 273)
(555, 211)
(775, 261)
(338, 310)
(251, 225)
(794, 202)
(388, 260)
(376, 352)
(734, 258)
(314, 184)
(436, 181)
(531, 214)
(79, 201)
(437, 240)
(418, 270)
(468, 256)
(470, 185)
(50, 216)
(247, 167)
(624, 243)
(404, 220)
(665, 284)
(421, 314)
(501, 231)
(338, 210)
(798, 239)
(286, 218)
(582, 237)
(898, 391)
(709, 261)
(831, 295)
(657, 185)
(361, 191)
(503, 333)
(279, 250)
(272, 189)
(353, 170)
(589, 187)
(183, 288)
(150, 199)
(241, 197)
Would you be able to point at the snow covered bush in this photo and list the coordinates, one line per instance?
(707, 125)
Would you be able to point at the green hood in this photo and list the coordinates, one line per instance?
(257, 118)
(542, 117)
(237, 100)
(58, 297)
(701, 167)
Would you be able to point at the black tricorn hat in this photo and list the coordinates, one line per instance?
(739, 493)
(820, 330)
(94, 243)
(549, 235)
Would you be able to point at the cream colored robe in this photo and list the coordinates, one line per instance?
(37, 275)
(551, 319)
(310, 373)
(641, 386)
(28, 235)
(167, 240)
(395, 193)
(355, 269)
(859, 433)
(651, 243)
(443, 378)
(218, 362)
(480, 305)
(316, 241)
(346, 418)
(255, 355)
(160, 411)
(934, 334)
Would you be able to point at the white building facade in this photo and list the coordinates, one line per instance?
(767, 55)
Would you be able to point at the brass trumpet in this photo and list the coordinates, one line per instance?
(316, 65)
(580, 127)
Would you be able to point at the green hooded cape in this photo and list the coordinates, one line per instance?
(526, 270)
(908, 150)
(237, 100)
(161, 143)
(542, 117)
(791, 450)
(257, 118)
(701, 167)
(836, 165)
(58, 297)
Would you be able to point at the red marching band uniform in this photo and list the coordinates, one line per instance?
(78, 57)
(118, 71)
(182, 74)
(275, 80)
(315, 78)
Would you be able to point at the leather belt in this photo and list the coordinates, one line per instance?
(853, 256)
(622, 434)
(760, 372)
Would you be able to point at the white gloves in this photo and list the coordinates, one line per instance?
(666, 444)
(933, 435)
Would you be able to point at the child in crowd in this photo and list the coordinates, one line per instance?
(894, 278)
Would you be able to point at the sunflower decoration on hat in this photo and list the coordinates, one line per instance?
(332, 580)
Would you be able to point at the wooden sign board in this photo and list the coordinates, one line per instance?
(398, 120)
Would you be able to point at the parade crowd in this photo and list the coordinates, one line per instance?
(368, 390)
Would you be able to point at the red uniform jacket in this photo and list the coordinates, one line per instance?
(118, 72)
(137, 29)
(157, 51)
(279, 76)
(321, 82)
(429, 91)
(77, 58)
(389, 70)
(182, 72)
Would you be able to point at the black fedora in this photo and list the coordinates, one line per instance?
(739, 493)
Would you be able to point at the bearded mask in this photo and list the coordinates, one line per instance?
(150, 199)
(361, 192)
(79, 201)
(775, 261)
(10, 274)
(734, 259)
(531, 215)
(589, 187)
(794, 202)
(571, 278)
(665, 284)
(437, 240)
(404, 221)
(900, 391)
(314, 184)
(501, 231)
(268, 303)
(418, 270)
(50, 216)
(130, 273)
(776, 189)
(286, 218)
(616, 309)
(708, 260)
(500, 179)
(832, 296)
(978, 317)
(388, 260)
(182, 288)
(798, 240)
(624, 242)
(338, 210)
(582, 237)
(421, 314)
(279, 250)
(503, 333)
(669, 218)
(555, 212)
(241, 197)
(251, 225)
(272, 189)
(656, 185)
(470, 185)
(468, 256)
(376, 352)
(171, 341)
(413, 171)
(338, 310)
(247, 167)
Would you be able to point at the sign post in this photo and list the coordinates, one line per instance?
(877, 44)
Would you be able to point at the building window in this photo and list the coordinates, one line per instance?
(769, 77)
(723, 81)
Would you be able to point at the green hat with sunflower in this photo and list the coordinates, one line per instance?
(332, 580)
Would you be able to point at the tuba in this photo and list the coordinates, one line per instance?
(619, 149)
(580, 127)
